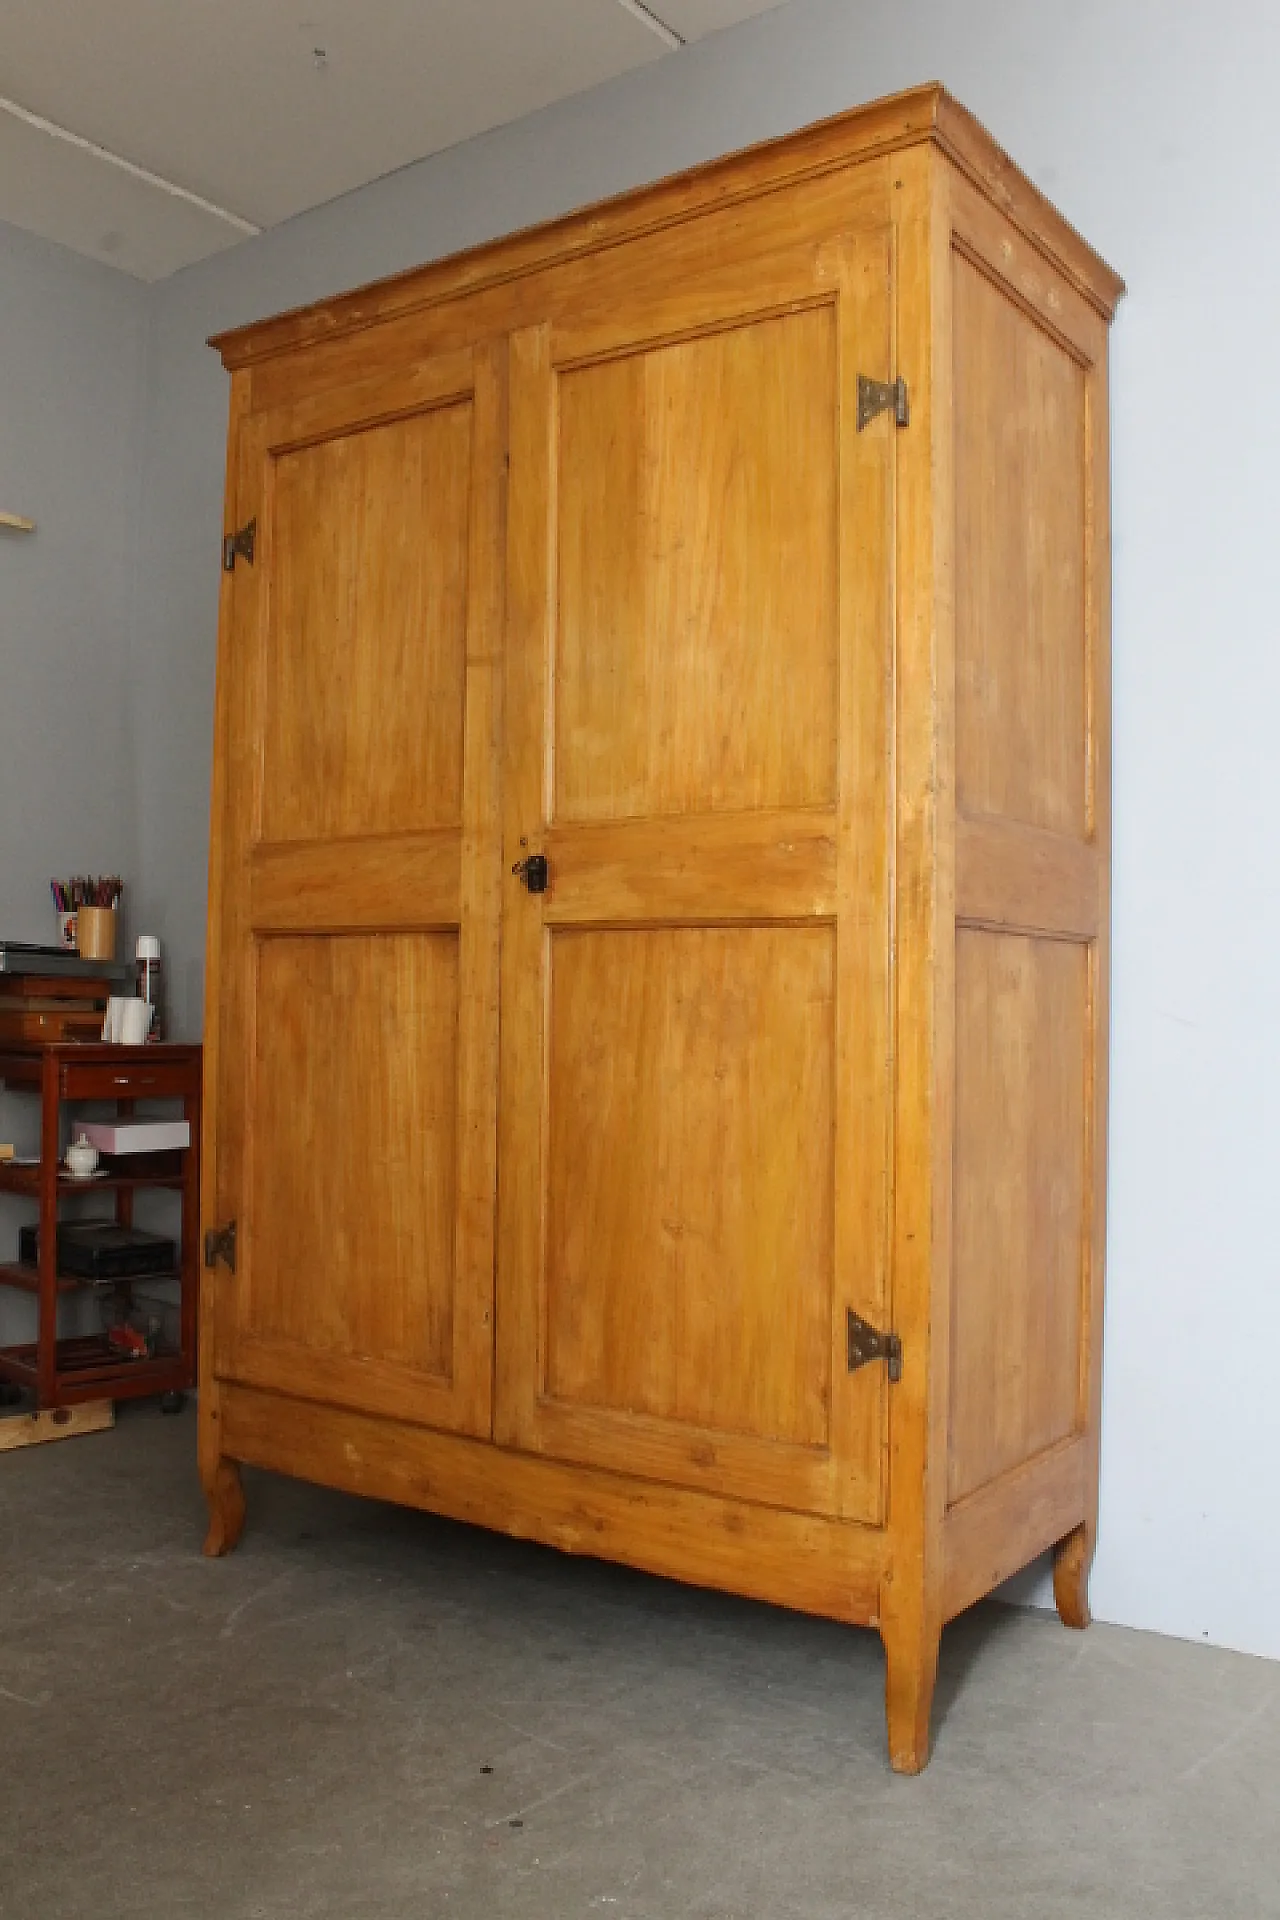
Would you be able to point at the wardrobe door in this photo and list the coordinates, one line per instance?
(695, 1034)
(356, 895)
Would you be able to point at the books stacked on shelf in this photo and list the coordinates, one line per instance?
(49, 995)
(23, 1021)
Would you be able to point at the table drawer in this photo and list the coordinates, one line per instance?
(130, 1080)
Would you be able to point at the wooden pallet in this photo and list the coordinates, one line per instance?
(55, 1423)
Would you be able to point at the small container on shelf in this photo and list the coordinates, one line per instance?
(96, 933)
(150, 981)
(82, 1158)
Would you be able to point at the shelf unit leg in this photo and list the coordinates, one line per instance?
(1072, 1559)
(47, 1296)
(224, 1491)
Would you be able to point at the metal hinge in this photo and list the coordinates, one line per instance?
(220, 1244)
(239, 546)
(867, 1343)
(882, 396)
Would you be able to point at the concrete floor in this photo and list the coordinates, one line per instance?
(370, 1714)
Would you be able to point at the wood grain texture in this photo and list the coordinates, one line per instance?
(1022, 273)
(220, 966)
(826, 1567)
(1021, 649)
(661, 1226)
(363, 653)
(923, 1009)
(55, 1423)
(742, 182)
(696, 603)
(746, 866)
(224, 1491)
(1021, 1221)
(1072, 1559)
(379, 883)
(349, 1234)
(369, 594)
(1076, 1554)
(689, 1267)
(811, 724)
(1002, 1527)
(1025, 880)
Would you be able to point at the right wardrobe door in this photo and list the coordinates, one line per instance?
(695, 1049)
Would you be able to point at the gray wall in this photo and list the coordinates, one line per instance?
(1154, 129)
(72, 357)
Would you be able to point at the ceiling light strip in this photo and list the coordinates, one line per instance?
(666, 34)
(110, 159)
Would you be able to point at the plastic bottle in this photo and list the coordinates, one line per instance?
(150, 981)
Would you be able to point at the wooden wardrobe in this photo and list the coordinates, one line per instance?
(657, 979)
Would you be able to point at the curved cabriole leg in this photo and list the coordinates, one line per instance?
(225, 1494)
(1072, 1559)
(911, 1667)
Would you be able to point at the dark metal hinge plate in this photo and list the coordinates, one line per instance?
(220, 1244)
(882, 396)
(867, 1343)
(239, 546)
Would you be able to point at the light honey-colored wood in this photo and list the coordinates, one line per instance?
(709, 868)
(1020, 585)
(382, 883)
(339, 758)
(695, 1246)
(695, 667)
(794, 1559)
(572, 547)
(360, 889)
(355, 1145)
(658, 1253)
(1022, 1015)
(55, 1423)
(1014, 878)
(830, 149)
(1005, 1525)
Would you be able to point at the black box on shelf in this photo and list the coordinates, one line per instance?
(100, 1250)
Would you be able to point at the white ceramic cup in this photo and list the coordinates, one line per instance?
(135, 1022)
(111, 1021)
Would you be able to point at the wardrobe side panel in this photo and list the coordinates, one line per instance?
(1030, 874)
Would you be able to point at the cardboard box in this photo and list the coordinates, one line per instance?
(136, 1136)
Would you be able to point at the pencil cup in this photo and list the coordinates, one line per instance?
(96, 933)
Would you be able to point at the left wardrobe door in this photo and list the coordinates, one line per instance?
(355, 896)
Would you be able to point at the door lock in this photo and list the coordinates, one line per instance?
(533, 870)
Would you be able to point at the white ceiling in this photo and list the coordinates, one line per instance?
(150, 133)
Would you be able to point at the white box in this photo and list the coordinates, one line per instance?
(136, 1136)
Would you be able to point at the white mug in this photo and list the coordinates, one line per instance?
(135, 1022)
(111, 1023)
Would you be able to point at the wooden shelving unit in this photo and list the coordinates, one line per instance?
(72, 1370)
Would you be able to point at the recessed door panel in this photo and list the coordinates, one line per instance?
(695, 1036)
(680, 1059)
(354, 1208)
(370, 598)
(696, 639)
